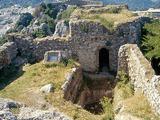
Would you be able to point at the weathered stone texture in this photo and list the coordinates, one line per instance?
(88, 38)
(27, 113)
(73, 84)
(62, 29)
(7, 53)
(142, 76)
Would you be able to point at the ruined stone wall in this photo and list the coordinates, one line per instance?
(34, 49)
(73, 85)
(87, 38)
(141, 74)
(8, 52)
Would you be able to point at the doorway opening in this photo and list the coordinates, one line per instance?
(155, 62)
(104, 60)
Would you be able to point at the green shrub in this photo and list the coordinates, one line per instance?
(124, 85)
(123, 89)
(49, 21)
(108, 109)
(39, 33)
(24, 21)
(150, 42)
(66, 13)
(48, 9)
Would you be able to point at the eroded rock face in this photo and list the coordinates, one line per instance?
(7, 53)
(73, 84)
(62, 29)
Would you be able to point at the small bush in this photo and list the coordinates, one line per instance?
(39, 33)
(67, 13)
(124, 85)
(49, 21)
(51, 65)
(24, 21)
(108, 109)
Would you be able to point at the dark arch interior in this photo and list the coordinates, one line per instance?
(104, 60)
(156, 65)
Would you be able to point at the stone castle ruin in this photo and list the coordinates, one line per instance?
(84, 2)
(100, 52)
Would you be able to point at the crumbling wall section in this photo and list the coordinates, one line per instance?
(73, 84)
(141, 74)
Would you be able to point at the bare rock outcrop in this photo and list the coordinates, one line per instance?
(62, 29)
(27, 113)
(7, 53)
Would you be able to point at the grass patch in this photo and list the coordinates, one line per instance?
(108, 109)
(107, 16)
(24, 89)
(34, 77)
(134, 104)
(138, 106)
(124, 89)
(65, 15)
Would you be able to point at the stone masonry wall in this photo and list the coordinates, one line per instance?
(73, 84)
(87, 38)
(34, 49)
(141, 74)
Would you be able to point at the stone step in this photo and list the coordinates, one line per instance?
(101, 76)
(99, 81)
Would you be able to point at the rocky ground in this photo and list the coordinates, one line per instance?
(12, 110)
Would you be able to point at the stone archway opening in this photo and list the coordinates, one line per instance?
(104, 60)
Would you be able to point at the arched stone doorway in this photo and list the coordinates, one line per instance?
(104, 60)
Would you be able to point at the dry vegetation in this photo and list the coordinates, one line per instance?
(109, 16)
(26, 89)
(135, 104)
(33, 78)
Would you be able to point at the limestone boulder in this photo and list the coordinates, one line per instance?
(7, 115)
(7, 53)
(47, 88)
(55, 56)
(62, 29)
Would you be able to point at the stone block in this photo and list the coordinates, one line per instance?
(54, 56)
